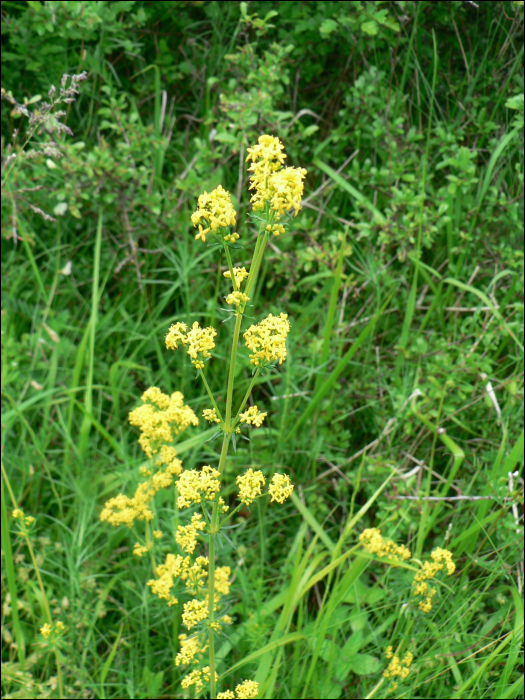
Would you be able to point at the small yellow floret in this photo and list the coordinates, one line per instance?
(45, 630)
(396, 668)
(250, 484)
(194, 612)
(441, 558)
(216, 211)
(186, 535)
(159, 419)
(253, 416)
(237, 298)
(189, 648)
(194, 486)
(222, 580)
(210, 414)
(281, 488)
(247, 689)
(239, 273)
(373, 542)
(139, 549)
(267, 339)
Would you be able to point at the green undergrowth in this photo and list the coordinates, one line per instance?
(400, 405)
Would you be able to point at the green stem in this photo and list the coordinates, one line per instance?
(211, 396)
(230, 265)
(254, 269)
(214, 525)
(247, 395)
(211, 605)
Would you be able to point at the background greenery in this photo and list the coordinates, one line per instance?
(403, 272)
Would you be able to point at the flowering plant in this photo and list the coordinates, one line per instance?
(277, 192)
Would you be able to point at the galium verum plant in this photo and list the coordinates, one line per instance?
(277, 194)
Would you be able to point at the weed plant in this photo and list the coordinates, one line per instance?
(394, 567)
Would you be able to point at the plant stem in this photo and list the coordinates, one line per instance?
(247, 395)
(214, 525)
(210, 395)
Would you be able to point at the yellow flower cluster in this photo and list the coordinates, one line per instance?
(186, 535)
(216, 211)
(194, 486)
(196, 677)
(397, 668)
(222, 581)
(189, 648)
(276, 229)
(122, 510)
(210, 414)
(281, 187)
(441, 558)
(160, 418)
(246, 689)
(237, 298)
(373, 542)
(239, 274)
(175, 567)
(46, 630)
(18, 514)
(267, 339)
(280, 489)
(199, 341)
(194, 611)
(253, 416)
(250, 484)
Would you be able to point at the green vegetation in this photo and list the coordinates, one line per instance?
(399, 406)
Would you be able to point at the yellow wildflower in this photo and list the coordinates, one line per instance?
(194, 485)
(267, 339)
(239, 273)
(189, 648)
(237, 298)
(373, 542)
(45, 630)
(276, 229)
(175, 567)
(282, 187)
(139, 549)
(175, 335)
(122, 510)
(222, 580)
(186, 535)
(60, 627)
(18, 513)
(210, 414)
(287, 185)
(157, 534)
(194, 612)
(199, 341)
(193, 678)
(222, 505)
(159, 419)
(250, 484)
(195, 575)
(397, 668)
(281, 488)
(253, 416)
(441, 558)
(216, 211)
(247, 689)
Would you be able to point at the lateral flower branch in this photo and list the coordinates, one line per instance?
(189, 572)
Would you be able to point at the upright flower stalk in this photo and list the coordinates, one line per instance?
(277, 192)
